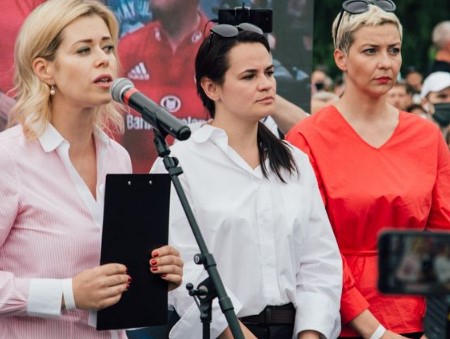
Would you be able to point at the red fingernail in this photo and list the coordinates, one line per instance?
(153, 262)
(155, 254)
(154, 269)
(129, 279)
(164, 275)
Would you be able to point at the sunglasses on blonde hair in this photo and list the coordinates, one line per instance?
(362, 6)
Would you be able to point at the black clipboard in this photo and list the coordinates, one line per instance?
(136, 219)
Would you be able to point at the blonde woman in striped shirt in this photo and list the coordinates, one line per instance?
(53, 164)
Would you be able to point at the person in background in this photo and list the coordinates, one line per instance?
(441, 41)
(365, 155)
(159, 59)
(419, 110)
(414, 79)
(256, 201)
(12, 15)
(399, 96)
(435, 96)
(339, 85)
(320, 81)
(321, 99)
(54, 163)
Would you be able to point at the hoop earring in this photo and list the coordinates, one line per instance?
(52, 90)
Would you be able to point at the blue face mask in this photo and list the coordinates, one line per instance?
(442, 114)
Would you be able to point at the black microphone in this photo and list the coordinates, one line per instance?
(123, 91)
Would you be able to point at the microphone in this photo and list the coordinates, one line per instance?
(123, 91)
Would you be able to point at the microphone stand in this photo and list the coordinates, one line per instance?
(208, 289)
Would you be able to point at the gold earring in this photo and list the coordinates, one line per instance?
(52, 90)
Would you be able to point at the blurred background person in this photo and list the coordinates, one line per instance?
(339, 85)
(414, 79)
(159, 59)
(436, 99)
(321, 99)
(441, 42)
(320, 80)
(419, 110)
(399, 96)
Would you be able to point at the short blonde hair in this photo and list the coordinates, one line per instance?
(350, 23)
(40, 36)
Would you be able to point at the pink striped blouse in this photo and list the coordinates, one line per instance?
(50, 230)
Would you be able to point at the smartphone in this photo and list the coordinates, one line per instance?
(258, 17)
(414, 262)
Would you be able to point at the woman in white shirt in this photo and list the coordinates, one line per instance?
(257, 204)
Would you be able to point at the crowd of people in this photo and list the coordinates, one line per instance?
(290, 203)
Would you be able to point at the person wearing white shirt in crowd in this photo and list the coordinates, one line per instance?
(257, 203)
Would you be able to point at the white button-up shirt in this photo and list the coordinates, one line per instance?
(272, 241)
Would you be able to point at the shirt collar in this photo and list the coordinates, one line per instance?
(206, 132)
(51, 139)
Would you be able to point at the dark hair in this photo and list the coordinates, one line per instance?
(412, 107)
(212, 62)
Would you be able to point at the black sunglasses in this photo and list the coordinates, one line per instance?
(362, 6)
(230, 31)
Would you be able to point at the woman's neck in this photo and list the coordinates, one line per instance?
(76, 127)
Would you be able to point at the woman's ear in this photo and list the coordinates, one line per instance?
(340, 58)
(210, 88)
(43, 69)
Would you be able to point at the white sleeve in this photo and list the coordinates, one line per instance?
(319, 279)
(44, 297)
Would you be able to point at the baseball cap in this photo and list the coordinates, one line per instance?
(435, 82)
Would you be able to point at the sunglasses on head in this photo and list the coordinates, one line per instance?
(362, 6)
(230, 31)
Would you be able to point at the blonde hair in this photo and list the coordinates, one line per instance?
(350, 23)
(40, 36)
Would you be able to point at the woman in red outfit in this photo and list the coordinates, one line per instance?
(377, 168)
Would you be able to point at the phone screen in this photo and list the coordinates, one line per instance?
(414, 262)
